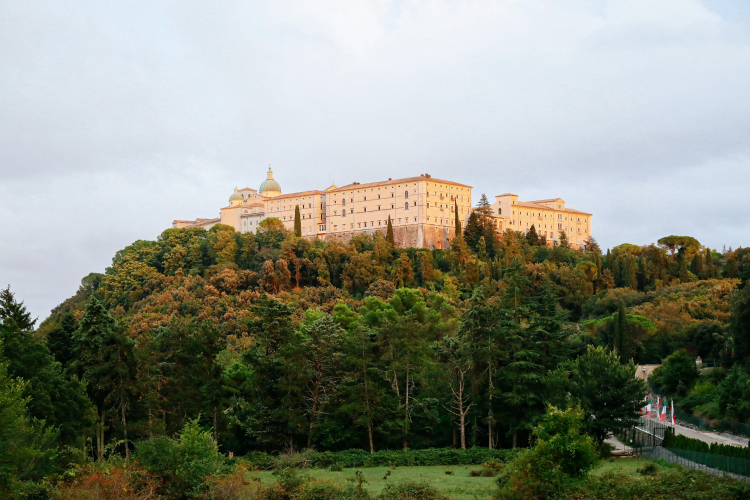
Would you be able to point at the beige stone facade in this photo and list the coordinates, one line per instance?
(549, 217)
(422, 210)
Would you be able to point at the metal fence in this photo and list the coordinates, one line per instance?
(713, 425)
(646, 438)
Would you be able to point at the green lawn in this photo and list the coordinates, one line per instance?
(459, 485)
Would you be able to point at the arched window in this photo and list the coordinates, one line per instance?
(343, 202)
(499, 211)
(406, 194)
(343, 212)
(406, 205)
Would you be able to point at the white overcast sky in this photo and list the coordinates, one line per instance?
(118, 117)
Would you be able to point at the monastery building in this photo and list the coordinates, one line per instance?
(422, 211)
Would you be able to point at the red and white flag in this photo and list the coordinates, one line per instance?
(674, 420)
(663, 413)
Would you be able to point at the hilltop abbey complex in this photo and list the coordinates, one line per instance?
(422, 211)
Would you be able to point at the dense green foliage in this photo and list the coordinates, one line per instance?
(561, 456)
(272, 344)
(384, 458)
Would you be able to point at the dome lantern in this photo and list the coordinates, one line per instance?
(269, 187)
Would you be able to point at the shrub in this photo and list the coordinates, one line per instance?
(410, 490)
(488, 469)
(667, 485)
(336, 467)
(183, 464)
(125, 481)
(360, 458)
(560, 456)
(647, 470)
(234, 486)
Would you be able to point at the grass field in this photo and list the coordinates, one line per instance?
(459, 485)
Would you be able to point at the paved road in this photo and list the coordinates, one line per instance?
(706, 437)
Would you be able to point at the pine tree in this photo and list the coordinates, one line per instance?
(474, 230)
(531, 236)
(16, 311)
(458, 219)
(389, 232)
(564, 240)
(103, 357)
(53, 397)
(710, 267)
(483, 207)
(732, 270)
(297, 222)
(60, 340)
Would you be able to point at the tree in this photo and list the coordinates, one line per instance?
(389, 232)
(270, 382)
(483, 207)
(532, 237)
(607, 390)
(15, 311)
(564, 240)
(297, 222)
(458, 218)
(454, 352)
(562, 453)
(321, 343)
(104, 361)
(60, 340)
(739, 323)
(27, 446)
(52, 396)
(687, 244)
(474, 230)
(677, 374)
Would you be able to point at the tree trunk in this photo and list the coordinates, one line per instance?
(515, 439)
(369, 432)
(125, 432)
(316, 398)
(100, 436)
(406, 412)
(216, 425)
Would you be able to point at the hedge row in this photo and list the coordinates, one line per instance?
(691, 444)
(386, 458)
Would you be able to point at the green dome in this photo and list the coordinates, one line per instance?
(236, 197)
(269, 185)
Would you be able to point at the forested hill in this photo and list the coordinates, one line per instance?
(278, 342)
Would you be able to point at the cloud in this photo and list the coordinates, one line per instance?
(118, 119)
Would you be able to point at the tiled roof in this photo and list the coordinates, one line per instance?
(507, 194)
(201, 222)
(406, 180)
(546, 201)
(293, 195)
(530, 204)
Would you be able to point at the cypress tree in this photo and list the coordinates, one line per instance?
(532, 237)
(389, 233)
(458, 219)
(732, 269)
(297, 223)
(710, 267)
(631, 281)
